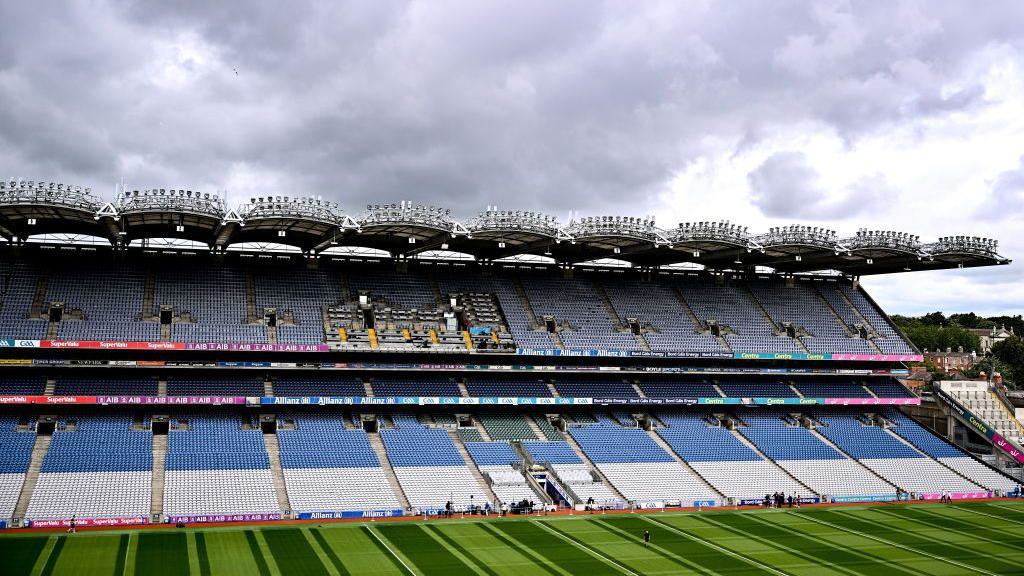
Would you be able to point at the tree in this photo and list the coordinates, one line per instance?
(1011, 353)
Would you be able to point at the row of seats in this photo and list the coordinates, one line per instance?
(225, 302)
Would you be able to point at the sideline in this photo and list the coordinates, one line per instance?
(650, 512)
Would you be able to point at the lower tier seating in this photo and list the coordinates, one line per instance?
(656, 481)
(429, 487)
(222, 491)
(10, 488)
(95, 494)
(837, 477)
(339, 489)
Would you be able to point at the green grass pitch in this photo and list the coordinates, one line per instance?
(984, 538)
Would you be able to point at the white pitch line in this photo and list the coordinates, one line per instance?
(716, 546)
(972, 511)
(897, 545)
(385, 544)
(586, 549)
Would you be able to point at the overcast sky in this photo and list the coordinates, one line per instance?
(893, 115)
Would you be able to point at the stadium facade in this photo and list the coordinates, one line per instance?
(145, 384)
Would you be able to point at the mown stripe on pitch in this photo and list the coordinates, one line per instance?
(973, 532)
(122, 555)
(1009, 513)
(162, 553)
(565, 556)
(257, 554)
(331, 555)
(525, 553)
(587, 548)
(20, 554)
(794, 541)
(423, 550)
(656, 546)
(204, 558)
(978, 512)
(51, 562)
(738, 562)
(909, 537)
(388, 553)
(691, 546)
(462, 549)
(292, 552)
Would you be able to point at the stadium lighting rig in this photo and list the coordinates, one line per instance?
(302, 207)
(160, 199)
(721, 231)
(885, 240)
(625, 226)
(405, 213)
(798, 234)
(514, 221)
(17, 192)
(965, 245)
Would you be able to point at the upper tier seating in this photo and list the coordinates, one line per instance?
(657, 307)
(221, 302)
(96, 466)
(733, 306)
(889, 341)
(576, 306)
(741, 387)
(801, 306)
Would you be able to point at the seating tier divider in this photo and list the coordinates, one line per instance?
(39, 449)
(389, 472)
(471, 464)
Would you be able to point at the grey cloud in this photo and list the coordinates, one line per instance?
(580, 105)
(1006, 199)
(786, 186)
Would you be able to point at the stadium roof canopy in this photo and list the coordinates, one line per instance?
(405, 229)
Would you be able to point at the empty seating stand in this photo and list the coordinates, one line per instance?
(96, 466)
(217, 463)
(15, 455)
(429, 467)
(328, 468)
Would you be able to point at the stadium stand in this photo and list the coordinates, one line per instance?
(718, 455)
(217, 464)
(15, 453)
(886, 455)
(637, 466)
(429, 466)
(97, 466)
(328, 468)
